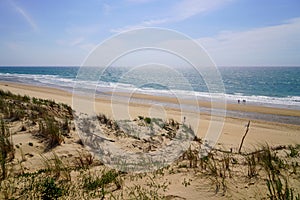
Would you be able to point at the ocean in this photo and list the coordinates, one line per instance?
(267, 86)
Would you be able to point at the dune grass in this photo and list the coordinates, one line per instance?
(274, 170)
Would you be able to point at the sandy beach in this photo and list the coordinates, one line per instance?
(261, 132)
(150, 100)
(183, 179)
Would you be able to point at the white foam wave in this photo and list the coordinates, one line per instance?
(69, 83)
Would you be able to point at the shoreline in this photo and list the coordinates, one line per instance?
(252, 112)
(65, 78)
(234, 107)
(243, 111)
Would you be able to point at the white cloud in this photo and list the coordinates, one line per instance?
(153, 22)
(189, 8)
(180, 11)
(79, 36)
(80, 42)
(141, 25)
(26, 16)
(77, 41)
(271, 45)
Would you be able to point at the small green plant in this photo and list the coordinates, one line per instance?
(110, 177)
(159, 122)
(294, 151)
(147, 120)
(56, 167)
(152, 190)
(84, 161)
(51, 190)
(203, 162)
(7, 94)
(65, 126)
(6, 148)
(277, 183)
(51, 130)
(192, 157)
(269, 160)
(35, 100)
(140, 117)
(102, 118)
(279, 188)
(26, 98)
(92, 183)
(294, 167)
(217, 170)
(252, 166)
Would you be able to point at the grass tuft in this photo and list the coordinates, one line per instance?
(7, 151)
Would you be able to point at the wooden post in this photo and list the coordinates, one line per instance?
(247, 129)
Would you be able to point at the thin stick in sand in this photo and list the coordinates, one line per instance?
(247, 129)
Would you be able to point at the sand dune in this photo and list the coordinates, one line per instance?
(182, 179)
(260, 131)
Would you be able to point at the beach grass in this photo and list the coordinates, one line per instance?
(268, 172)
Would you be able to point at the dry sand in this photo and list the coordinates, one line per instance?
(261, 132)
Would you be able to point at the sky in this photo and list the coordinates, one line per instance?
(233, 32)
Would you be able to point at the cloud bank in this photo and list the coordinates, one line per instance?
(271, 45)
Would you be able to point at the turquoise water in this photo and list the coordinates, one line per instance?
(271, 86)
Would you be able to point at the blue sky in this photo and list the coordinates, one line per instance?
(234, 32)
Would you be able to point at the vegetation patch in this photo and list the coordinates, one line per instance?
(272, 170)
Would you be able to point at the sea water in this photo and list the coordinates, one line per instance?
(268, 86)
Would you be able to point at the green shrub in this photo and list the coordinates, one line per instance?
(51, 130)
(252, 166)
(65, 126)
(293, 151)
(147, 120)
(35, 100)
(6, 148)
(51, 190)
(279, 188)
(26, 98)
(91, 182)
